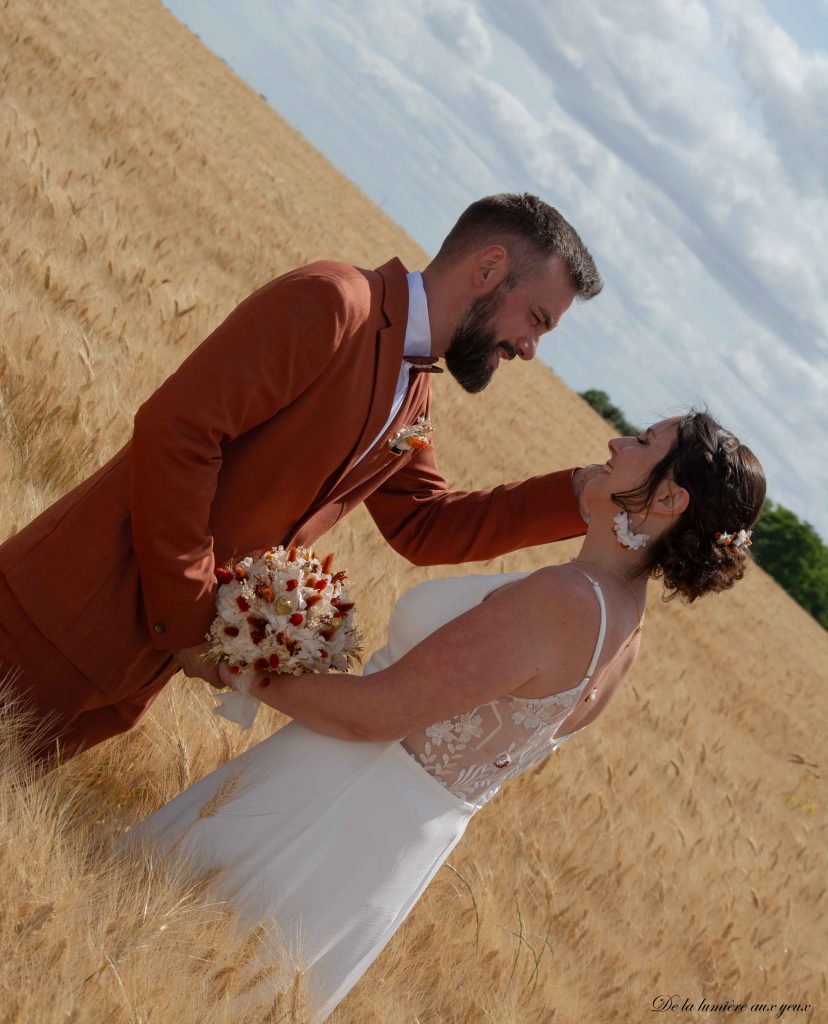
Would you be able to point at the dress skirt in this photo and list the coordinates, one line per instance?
(328, 843)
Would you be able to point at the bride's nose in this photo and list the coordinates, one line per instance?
(615, 444)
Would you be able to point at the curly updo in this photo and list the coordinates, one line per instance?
(726, 485)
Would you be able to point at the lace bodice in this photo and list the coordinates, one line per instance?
(474, 753)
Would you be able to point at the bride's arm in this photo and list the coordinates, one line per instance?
(546, 623)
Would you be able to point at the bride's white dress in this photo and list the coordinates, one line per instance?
(330, 843)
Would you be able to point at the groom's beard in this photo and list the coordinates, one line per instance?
(469, 355)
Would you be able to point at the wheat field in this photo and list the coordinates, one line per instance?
(676, 848)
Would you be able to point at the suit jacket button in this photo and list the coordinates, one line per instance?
(159, 627)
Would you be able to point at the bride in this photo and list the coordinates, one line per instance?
(330, 830)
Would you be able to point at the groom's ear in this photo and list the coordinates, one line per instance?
(491, 266)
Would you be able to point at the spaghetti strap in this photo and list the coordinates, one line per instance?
(602, 632)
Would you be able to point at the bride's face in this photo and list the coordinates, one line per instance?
(631, 460)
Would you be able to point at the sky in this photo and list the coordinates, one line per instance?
(686, 141)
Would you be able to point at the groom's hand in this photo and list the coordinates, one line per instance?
(580, 478)
(215, 674)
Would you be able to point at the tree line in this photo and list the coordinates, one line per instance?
(788, 549)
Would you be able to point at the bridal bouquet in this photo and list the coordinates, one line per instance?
(283, 612)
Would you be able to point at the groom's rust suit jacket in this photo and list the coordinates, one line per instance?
(249, 444)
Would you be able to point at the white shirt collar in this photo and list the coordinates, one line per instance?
(418, 330)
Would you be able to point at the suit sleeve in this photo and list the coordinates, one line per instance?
(262, 357)
(430, 525)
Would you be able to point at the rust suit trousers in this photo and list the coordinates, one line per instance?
(77, 714)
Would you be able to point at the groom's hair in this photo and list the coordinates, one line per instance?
(530, 230)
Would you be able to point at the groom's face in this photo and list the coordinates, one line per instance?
(508, 321)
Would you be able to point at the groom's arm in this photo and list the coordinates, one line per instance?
(263, 356)
(430, 525)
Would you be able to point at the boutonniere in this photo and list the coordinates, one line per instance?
(416, 436)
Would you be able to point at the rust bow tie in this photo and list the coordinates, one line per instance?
(423, 364)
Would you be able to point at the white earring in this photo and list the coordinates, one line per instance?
(626, 538)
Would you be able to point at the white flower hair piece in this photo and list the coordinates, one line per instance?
(626, 538)
(736, 540)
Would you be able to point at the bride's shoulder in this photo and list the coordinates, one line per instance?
(561, 582)
(559, 593)
(568, 600)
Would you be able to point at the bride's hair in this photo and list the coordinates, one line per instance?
(726, 485)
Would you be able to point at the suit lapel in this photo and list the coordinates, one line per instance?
(381, 458)
(357, 482)
(390, 345)
(389, 354)
(414, 404)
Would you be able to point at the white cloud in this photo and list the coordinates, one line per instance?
(791, 87)
(457, 24)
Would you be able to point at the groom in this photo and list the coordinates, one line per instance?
(269, 432)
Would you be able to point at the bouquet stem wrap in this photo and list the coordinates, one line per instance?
(237, 705)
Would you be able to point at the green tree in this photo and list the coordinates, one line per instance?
(600, 402)
(794, 554)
